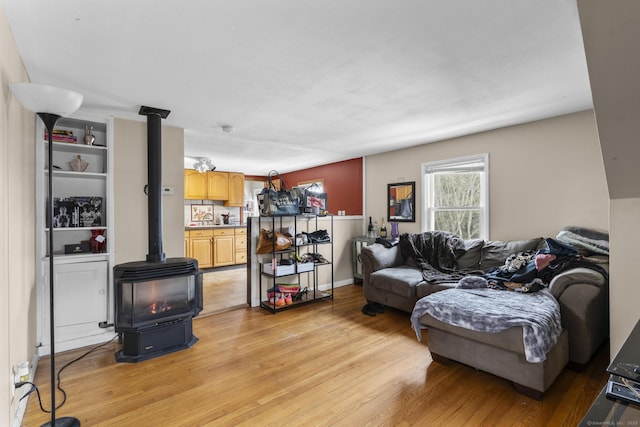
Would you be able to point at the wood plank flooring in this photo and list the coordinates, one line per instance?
(224, 289)
(323, 364)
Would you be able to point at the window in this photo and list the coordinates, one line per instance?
(457, 196)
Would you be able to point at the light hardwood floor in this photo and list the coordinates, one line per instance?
(224, 289)
(323, 364)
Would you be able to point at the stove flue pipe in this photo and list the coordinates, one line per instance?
(154, 180)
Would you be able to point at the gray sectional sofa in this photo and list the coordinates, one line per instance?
(393, 280)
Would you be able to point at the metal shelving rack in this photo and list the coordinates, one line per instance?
(313, 294)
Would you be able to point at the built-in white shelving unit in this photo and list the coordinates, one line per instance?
(83, 205)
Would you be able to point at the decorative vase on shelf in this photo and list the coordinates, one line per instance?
(97, 241)
(89, 138)
(78, 164)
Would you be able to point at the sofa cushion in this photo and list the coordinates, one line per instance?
(382, 257)
(494, 253)
(398, 280)
(470, 260)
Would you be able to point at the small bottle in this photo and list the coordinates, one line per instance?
(383, 229)
(370, 229)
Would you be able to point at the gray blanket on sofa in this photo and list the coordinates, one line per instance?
(489, 310)
(435, 254)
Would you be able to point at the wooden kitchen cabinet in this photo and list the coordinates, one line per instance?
(275, 182)
(236, 189)
(217, 186)
(201, 247)
(240, 241)
(223, 247)
(225, 186)
(217, 247)
(195, 185)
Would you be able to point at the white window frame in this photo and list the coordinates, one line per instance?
(471, 163)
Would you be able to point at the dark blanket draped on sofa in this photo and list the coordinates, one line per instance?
(435, 253)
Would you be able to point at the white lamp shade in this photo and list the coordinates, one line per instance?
(46, 99)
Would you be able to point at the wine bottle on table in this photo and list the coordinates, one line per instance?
(370, 229)
(383, 229)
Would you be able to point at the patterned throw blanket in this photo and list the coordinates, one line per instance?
(488, 310)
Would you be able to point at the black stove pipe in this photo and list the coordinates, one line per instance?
(154, 180)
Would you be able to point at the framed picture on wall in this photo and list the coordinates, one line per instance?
(401, 202)
(318, 184)
(201, 213)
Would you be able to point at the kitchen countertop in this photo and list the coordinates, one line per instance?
(200, 227)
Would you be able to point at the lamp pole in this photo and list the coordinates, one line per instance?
(49, 122)
(50, 103)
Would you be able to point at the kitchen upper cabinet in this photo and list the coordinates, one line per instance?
(236, 189)
(195, 184)
(275, 182)
(217, 185)
(225, 186)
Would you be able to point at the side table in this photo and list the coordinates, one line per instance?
(357, 243)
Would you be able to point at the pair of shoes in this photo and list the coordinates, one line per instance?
(379, 308)
(298, 296)
(368, 310)
(280, 301)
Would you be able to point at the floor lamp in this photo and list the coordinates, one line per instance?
(50, 103)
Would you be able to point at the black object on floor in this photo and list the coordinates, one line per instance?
(368, 310)
(379, 308)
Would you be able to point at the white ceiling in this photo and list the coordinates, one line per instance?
(309, 82)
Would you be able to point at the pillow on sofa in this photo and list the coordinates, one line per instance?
(470, 260)
(494, 253)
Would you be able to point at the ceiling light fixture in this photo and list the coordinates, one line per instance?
(203, 165)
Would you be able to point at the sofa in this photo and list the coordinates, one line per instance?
(394, 280)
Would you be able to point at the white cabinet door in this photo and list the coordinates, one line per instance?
(81, 300)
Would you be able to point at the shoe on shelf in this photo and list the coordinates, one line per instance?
(300, 294)
(288, 300)
(280, 301)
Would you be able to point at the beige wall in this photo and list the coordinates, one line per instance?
(17, 235)
(130, 177)
(610, 32)
(543, 176)
(625, 235)
(344, 228)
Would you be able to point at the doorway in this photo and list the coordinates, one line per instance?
(224, 289)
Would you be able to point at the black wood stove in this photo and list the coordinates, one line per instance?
(156, 299)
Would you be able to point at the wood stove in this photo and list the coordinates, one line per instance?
(156, 299)
(155, 303)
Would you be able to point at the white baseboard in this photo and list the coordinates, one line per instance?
(72, 344)
(339, 284)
